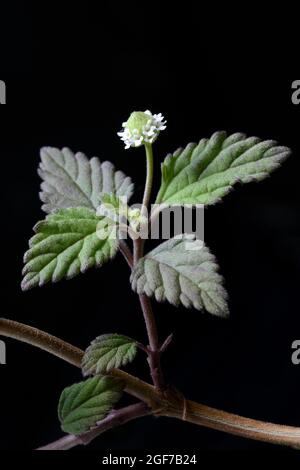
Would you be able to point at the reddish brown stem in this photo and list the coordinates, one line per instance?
(153, 349)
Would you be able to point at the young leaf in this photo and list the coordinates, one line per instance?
(66, 243)
(108, 352)
(113, 207)
(182, 270)
(83, 404)
(71, 180)
(118, 211)
(204, 173)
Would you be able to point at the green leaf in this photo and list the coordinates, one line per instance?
(117, 210)
(71, 180)
(204, 173)
(111, 200)
(182, 271)
(108, 352)
(66, 243)
(113, 207)
(83, 404)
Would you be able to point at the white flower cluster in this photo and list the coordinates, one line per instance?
(141, 128)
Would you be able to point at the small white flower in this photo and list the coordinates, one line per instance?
(141, 128)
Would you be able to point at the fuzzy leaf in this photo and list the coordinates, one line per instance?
(83, 404)
(66, 243)
(204, 173)
(71, 180)
(182, 272)
(108, 352)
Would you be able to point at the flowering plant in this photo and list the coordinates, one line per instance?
(84, 200)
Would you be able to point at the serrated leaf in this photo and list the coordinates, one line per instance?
(83, 404)
(108, 352)
(66, 243)
(72, 180)
(182, 271)
(204, 173)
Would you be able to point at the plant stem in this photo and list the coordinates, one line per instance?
(138, 245)
(138, 251)
(168, 403)
(67, 352)
(115, 418)
(154, 349)
(149, 177)
(237, 425)
(42, 340)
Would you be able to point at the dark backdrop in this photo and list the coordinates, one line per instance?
(73, 76)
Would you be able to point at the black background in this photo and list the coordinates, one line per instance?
(73, 75)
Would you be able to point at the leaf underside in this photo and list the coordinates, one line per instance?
(107, 352)
(182, 272)
(66, 243)
(83, 404)
(72, 180)
(203, 173)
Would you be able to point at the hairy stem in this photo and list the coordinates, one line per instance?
(230, 423)
(42, 340)
(69, 353)
(169, 403)
(115, 418)
(138, 251)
